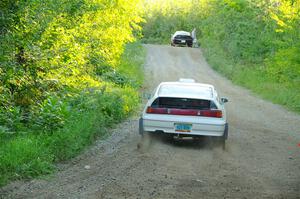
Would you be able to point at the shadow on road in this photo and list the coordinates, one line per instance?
(204, 142)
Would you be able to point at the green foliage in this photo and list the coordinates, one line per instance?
(11, 117)
(24, 157)
(163, 18)
(67, 73)
(52, 114)
(284, 66)
(254, 43)
(261, 44)
(62, 127)
(53, 47)
(126, 73)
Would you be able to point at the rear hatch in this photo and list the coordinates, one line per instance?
(184, 114)
(170, 106)
(183, 104)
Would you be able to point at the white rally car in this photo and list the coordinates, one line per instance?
(185, 108)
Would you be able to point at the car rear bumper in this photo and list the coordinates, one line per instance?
(186, 42)
(200, 128)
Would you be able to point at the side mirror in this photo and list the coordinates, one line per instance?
(146, 95)
(224, 100)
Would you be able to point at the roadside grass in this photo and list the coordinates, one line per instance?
(133, 71)
(28, 154)
(24, 157)
(253, 77)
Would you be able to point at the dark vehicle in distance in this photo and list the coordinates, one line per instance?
(182, 38)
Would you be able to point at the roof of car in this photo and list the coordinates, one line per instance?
(186, 90)
(181, 32)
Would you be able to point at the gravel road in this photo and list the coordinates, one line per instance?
(261, 159)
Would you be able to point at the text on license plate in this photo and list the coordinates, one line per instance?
(182, 41)
(183, 127)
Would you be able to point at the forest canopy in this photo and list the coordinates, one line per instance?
(68, 71)
(55, 49)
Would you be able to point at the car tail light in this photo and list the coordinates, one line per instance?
(189, 112)
(157, 110)
(212, 113)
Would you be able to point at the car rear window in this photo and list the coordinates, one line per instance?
(183, 103)
(183, 37)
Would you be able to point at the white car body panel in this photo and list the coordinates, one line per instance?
(166, 123)
(200, 125)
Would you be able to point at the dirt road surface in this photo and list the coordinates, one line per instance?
(262, 158)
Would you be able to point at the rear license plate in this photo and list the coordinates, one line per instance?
(183, 127)
(182, 41)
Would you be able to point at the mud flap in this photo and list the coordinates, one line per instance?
(141, 126)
